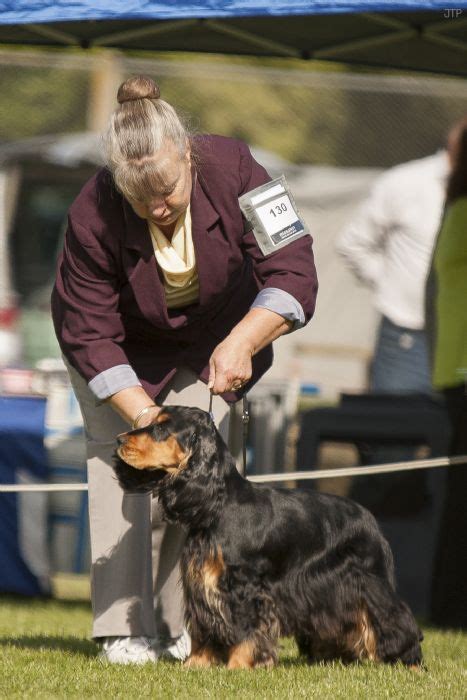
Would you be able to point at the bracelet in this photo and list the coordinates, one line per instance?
(142, 413)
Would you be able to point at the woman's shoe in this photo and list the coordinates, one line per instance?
(128, 650)
(179, 649)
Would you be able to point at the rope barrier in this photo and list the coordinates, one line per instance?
(361, 471)
(32, 488)
(285, 476)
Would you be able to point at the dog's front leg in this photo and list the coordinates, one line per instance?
(242, 655)
(202, 656)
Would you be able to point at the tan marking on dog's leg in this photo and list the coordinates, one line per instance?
(242, 656)
(363, 639)
(369, 637)
(213, 568)
(192, 575)
(204, 657)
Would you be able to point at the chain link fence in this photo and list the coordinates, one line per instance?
(329, 117)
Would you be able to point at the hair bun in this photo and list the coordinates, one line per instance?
(139, 87)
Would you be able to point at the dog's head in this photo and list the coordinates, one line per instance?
(183, 458)
(145, 456)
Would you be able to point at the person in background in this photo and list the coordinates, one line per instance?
(388, 246)
(449, 593)
(162, 289)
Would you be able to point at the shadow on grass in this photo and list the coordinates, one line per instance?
(83, 647)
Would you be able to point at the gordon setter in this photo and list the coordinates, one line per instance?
(259, 562)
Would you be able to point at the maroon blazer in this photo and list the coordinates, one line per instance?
(108, 303)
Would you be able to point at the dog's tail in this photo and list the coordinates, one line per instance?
(397, 635)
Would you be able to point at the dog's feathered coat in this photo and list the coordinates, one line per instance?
(261, 562)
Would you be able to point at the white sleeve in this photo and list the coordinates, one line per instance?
(361, 243)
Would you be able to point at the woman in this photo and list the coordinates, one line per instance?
(449, 600)
(162, 288)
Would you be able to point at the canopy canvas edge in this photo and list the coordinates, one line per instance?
(84, 10)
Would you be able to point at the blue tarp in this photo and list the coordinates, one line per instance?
(22, 453)
(33, 11)
(402, 34)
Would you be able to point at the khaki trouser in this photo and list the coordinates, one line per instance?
(135, 586)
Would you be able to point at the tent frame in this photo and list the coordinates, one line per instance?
(397, 30)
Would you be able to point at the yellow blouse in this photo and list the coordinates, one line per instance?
(177, 261)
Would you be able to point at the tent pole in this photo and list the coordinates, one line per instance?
(253, 39)
(141, 32)
(359, 44)
(49, 33)
(106, 75)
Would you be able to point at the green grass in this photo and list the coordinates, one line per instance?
(45, 652)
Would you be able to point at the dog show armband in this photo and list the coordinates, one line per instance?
(273, 215)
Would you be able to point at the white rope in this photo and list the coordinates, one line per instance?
(26, 488)
(360, 471)
(286, 476)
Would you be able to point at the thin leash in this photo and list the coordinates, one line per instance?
(245, 422)
(210, 407)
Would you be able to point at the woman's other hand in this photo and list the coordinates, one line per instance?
(230, 365)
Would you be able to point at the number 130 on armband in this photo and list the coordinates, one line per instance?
(278, 209)
(273, 215)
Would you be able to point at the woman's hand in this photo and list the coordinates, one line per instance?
(134, 403)
(230, 365)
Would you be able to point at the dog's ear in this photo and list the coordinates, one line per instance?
(193, 439)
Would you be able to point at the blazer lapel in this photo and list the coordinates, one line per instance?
(137, 236)
(143, 272)
(203, 218)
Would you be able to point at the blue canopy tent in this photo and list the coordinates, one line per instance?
(405, 34)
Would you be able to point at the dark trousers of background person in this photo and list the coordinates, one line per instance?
(401, 362)
(449, 592)
(400, 366)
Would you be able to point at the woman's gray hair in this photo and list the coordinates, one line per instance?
(141, 125)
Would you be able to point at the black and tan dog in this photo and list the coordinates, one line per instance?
(260, 562)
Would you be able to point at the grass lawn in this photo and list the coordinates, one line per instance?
(45, 652)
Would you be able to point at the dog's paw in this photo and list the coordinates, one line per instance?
(204, 658)
(267, 662)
